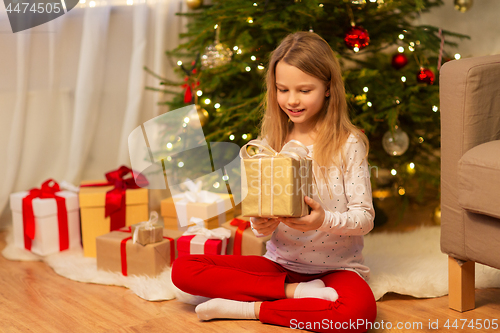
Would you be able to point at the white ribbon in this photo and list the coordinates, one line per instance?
(196, 194)
(69, 187)
(146, 225)
(202, 234)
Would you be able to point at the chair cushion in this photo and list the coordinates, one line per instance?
(479, 179)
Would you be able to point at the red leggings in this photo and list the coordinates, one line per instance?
(255, 278)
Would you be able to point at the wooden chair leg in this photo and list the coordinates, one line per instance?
(461, 288)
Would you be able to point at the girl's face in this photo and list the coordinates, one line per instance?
(300, 95)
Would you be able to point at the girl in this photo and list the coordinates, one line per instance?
(312, 276)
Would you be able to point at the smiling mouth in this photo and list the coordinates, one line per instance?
(294, 112)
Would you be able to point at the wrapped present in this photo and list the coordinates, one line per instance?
(179, 209)
(110, 205)
(200, 240)
(116, 252)
(243, 241)
(275, 184)
(211, 223)
(147, 232)
(45, 220)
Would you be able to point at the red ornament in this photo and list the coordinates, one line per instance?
(399, 60)
(357, 37)
(425, 75)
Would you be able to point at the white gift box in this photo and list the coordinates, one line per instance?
(46, 239)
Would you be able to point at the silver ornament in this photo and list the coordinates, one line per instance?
(396, 143)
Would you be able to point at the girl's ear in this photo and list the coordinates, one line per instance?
(327, 91)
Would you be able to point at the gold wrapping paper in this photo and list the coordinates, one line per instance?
(250, 244)
(93, 222)
(289, 178)
(211, 223)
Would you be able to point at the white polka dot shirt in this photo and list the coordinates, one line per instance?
(338, 243)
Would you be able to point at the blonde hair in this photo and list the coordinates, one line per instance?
(311, 54)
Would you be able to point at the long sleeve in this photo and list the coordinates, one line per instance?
(356, 216)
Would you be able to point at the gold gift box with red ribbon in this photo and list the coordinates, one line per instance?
(243, 241)
(109, 205)
(116, 252)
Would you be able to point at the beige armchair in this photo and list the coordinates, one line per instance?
(470, 171)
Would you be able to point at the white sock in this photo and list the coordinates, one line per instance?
(315, 289)
(225, 308)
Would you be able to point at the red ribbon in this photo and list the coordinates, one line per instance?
(238, 237)
(123, 249)
(115, 206)
(48, 190)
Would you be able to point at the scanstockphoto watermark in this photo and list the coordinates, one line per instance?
(359, 324)
(26, 14)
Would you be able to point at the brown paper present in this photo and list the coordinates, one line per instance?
(250, 244)
(92, 210)
(117, 253)
(276, 186)
(214, 214)
(148, 232)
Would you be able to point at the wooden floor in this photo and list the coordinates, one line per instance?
(35, 299)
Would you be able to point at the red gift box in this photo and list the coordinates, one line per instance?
(201, 244)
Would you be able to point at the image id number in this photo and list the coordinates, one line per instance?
(472, 324)
(41, 8)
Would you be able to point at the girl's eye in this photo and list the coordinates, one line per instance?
(282, 90)
(305, 91)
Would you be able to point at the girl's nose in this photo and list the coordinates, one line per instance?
(293, 99)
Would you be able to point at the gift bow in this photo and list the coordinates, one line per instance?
(196, 194)
(146, 225)
(238, 237)
(115, 198)
(48, 190)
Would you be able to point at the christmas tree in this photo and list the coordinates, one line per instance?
(390, 68)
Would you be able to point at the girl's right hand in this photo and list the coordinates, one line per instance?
(263, 225)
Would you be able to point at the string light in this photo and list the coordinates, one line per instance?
(169, 158)
(253, 58)
(184, 125)
(250, 20)
(239, 51)
(199, 93)
(179, 63)
(225, 177)
(216, 26)
(403, 78)
(207, 101)
(255, 4)
(92, 3)
(169, 145)
(235, 48)
(401, 36)
(244, 136)
(369, 104)
(412, 44)
(216, 185)
(411, 49)
(457, 56)
(401, 190)
(186, 120)
(356, 49)
(260, 67)
(365, 89)
(231, 137)
(435, 108)
(401, 49)
(216, 105)
(248, 69)
(180, 164)
(420, 139)
(394, 172)
(321, 5)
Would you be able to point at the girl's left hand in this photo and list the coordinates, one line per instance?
(309, 222)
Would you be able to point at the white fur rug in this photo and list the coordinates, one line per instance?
(408, 263)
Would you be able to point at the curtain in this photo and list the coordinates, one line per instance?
(72, 90)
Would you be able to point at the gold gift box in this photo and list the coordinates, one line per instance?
(148, 235)
(290, 180)
(250, 244)
(148, 260)
(206, 211)
(92, 203)
(173, 224)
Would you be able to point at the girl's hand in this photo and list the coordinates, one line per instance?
(264, 226)
(309, 222)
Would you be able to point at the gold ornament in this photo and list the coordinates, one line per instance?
(202, 115)
(463, 5)
(216, 54)
(436, 215)
(194, 4)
